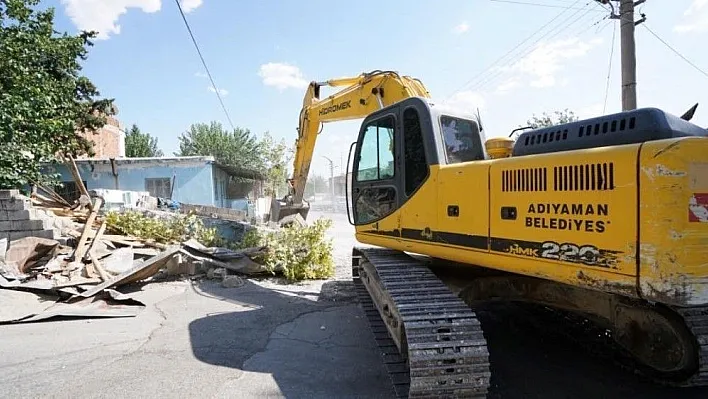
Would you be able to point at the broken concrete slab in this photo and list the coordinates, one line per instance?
(22, 225)
(16, 235)
(24, 214)
(7, 194)
(15, 204)
(232, 282)
(119, 261)
(137, 273)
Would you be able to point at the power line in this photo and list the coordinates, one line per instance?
(675, 51)
(216, 89)
(489, 67)
(537, 4)
(609, 68)
(530, 49)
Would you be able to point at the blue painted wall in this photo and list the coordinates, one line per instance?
(194, 181)
(221, 181)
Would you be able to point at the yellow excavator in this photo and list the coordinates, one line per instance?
(605, 217)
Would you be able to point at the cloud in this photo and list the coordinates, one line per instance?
(508, 84)
(465, 102)
(282, 76)
(545, 61)
(102, 15)
(190, 5)
(201, 75)
(222, 92)
(461, 28)
(695, 18)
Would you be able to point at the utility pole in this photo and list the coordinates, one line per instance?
(627, 46)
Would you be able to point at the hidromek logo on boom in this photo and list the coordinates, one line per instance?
(336, 107)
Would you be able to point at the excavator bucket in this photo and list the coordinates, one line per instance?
(285, 214)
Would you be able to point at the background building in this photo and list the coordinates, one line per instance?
(193, 180)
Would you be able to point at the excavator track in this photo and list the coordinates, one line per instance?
(697, 321)
(431, 342)
(597, 343)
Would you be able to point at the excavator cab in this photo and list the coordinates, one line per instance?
(395, 150)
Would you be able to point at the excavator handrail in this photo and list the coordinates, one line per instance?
(346, 185)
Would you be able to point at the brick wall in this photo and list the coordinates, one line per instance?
(109, 141)
(18, 219)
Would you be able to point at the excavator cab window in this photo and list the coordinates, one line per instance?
(376, 156)
(461, 137)
(376, 168)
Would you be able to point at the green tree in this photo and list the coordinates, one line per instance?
(546, 120)
(139, 144)
(44, 100)
(274, 158)
(240, 148)
(235, 148)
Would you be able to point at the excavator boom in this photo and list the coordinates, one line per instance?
(361, 95)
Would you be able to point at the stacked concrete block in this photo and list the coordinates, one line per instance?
(18, 219)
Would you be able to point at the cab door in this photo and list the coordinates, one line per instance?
(376, 175)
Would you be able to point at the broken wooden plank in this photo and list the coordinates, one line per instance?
(77, 179)
(96, 264)
(77, 281)
(53, 194)
(80, 247)
(97, 237)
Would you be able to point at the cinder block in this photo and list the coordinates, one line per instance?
(26, 214)
(7, 194)
(21, 225)
(16, 235)
(15, 204)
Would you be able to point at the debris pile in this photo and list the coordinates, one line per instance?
(68, 259)
(74, 257)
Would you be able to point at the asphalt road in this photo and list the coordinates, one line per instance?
(263, 339)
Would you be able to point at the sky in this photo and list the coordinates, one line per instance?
(507, 59)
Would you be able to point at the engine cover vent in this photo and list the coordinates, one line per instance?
(636, 126)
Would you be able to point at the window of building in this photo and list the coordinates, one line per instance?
(159, 187)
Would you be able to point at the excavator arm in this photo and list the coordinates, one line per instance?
(360, 96)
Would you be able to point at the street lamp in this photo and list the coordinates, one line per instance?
(331, 177)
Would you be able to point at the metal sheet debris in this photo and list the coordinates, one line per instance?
(109, 304)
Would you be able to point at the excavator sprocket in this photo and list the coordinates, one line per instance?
(431, 341)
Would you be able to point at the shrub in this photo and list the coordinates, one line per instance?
(172, 230)
(299, 253)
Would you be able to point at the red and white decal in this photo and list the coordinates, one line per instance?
(698, 208)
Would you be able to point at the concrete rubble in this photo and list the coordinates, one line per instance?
(64, 260)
